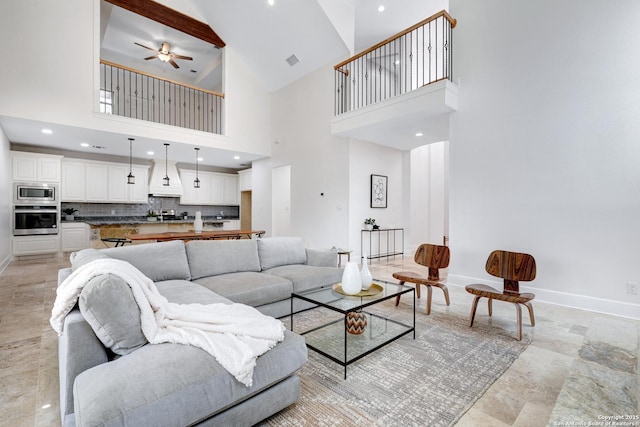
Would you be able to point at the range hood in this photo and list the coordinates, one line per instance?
(156, 188)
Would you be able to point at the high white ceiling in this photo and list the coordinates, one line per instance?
(262, 36)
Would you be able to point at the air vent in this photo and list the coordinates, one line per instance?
(292, 60)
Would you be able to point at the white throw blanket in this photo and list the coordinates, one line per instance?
(235, 334)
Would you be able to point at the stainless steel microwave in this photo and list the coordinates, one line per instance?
(35, 194)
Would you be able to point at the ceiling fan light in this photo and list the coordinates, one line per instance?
(164, 57)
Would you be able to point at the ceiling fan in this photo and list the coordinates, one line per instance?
(164, 54)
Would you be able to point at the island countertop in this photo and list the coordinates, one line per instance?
(138, 220)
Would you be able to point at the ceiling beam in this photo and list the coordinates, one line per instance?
(171, 18)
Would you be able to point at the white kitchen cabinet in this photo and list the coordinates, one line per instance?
(230, 190)
(35, 245)
(122, 192)
(97, 182)
(35, 167)
(74, 236)
(192, 195)
(244, 180)
(217, 189)
(103, 182)
(232, 224)
(72, 185)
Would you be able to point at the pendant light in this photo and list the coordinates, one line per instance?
(196, 182)
(131, 179)
(165, 180)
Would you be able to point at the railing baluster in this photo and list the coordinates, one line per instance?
(397, 65)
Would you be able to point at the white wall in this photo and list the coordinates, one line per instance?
(366, 159)
(5, 198)
(319, 162)
(428, 205)
(281, 201)
(544, 150)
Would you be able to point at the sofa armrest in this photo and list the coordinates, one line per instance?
(322, 257)
(78, 350)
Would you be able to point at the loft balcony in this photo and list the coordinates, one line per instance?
(138, 95)
(399, 86)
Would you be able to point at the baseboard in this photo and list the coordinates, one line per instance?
(565, 299)
(4, 263)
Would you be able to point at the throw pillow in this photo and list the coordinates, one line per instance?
(108, 305)
(85, 256)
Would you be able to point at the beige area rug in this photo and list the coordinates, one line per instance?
(430, 381)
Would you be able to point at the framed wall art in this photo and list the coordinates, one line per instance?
(378, 191)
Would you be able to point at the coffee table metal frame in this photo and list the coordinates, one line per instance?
(326, 297)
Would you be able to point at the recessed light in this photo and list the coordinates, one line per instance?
(270, 2)
(150, 153)
(419, 134)
(84, 144)
(236, 157)
(381, 8)
(397, 62)
(47, 131)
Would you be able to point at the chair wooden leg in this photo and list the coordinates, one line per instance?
(530, 307)
(474, 307)
(429, 294)
(490, 306)
(519, 315)
(417, 290)
(446, 293)
(398, 297)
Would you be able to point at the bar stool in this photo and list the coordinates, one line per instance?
(119, 241)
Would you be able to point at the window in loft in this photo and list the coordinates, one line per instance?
(106, 101)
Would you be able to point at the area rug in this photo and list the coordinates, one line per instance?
(430, 381)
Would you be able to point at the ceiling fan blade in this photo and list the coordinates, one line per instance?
(188, 58)
(141, 45)
(151, 57)
(172, 62)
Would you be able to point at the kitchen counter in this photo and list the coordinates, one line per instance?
(136, 220)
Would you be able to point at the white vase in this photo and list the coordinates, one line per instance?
(365, 274)
(197, 223)
(351, 282)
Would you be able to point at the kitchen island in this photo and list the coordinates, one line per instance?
(192, 235)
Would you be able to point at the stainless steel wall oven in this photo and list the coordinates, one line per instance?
(35, 220)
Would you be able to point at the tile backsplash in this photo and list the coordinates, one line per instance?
(155, 203)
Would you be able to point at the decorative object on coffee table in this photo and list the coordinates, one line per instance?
(355, 322)
(365, 274)
(373, 290)
(351, 282)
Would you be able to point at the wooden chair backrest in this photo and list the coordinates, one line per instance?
(512, 267)
(434, 257)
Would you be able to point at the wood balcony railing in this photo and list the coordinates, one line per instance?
(131, 93)
(420, 55)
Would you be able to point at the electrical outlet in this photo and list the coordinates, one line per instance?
(632, 288)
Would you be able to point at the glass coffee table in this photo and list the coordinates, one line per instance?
(332, 339)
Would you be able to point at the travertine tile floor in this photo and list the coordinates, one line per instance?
(524, 396)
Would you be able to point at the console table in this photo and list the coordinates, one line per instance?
(386, 245)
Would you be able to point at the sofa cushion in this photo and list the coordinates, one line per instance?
(277, 251)
(107, 303)
(249, 287)
(306, 277)
(213, 257)
(185, 292)
(157, 261)
(174, 385)
(85, 256)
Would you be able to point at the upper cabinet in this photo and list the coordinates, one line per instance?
(35, 167)
(102, 182)
(245, 178)
(215, 188)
